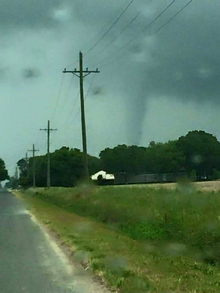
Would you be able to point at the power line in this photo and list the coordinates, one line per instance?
(66, 96)
(145, 28)
(116, 37)
(110, 28)
(86, 96)
(127, 26)
(71, 111)
(160, 28)
(103, 25)
(78, 112)
(90, 86)
(75, 62)
(58, 98)
(68, 91)
(65, 100)
(159, 15)
(184, 7)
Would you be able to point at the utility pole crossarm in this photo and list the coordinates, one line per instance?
(33, 150)
(51, 129)
(85, 72)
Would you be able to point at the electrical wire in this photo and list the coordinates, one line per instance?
(90, 86)
(65, 98)
(160, 28)
(77, 61)
(85, 98)
(145, 28)
(71, 111)
(110, 28)
(58, 97)
(127, 26)
(102, 25)
(167, 22)
(68, 92)
(172, 18)
(116, 37)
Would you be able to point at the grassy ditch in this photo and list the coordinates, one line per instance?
(139, 239)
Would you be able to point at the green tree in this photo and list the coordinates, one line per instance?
(3, 171)
(201, 151)
(216, 175)
(157, 158)
(123, 158)
(66, 168)
(164, 158)
(24, 180)
(115, 160)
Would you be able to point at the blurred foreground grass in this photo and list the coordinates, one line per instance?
(139, 239)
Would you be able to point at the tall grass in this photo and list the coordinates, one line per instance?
(184, 217)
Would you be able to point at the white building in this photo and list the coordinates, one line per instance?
(104, 175)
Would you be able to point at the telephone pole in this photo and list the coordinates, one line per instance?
(16, 173)
(27, 164)
(82, 74)
(34, 176)
(48, 130)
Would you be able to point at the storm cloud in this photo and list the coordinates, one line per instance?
(30, 73)
(28, 14)
(157, 87)
(180, 62)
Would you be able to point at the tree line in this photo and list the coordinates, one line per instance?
(3, 171)
(197, 154)
(66, 168)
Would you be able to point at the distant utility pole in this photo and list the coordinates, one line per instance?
(16, 173)
(27, 165)
(48, 130)
(34, 175)
(82, 74)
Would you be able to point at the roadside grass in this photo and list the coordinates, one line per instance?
(138, 239)
(185, 216)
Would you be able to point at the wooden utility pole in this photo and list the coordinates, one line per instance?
(16, 173)
(27, 165)
(48, 130)
(34, 175)
(82, 74)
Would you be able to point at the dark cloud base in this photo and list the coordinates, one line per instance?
(181, 62)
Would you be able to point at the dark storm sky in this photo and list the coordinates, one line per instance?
(157, 87)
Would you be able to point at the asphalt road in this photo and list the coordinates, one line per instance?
(31, 263)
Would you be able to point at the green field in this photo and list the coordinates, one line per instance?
(140, 239)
